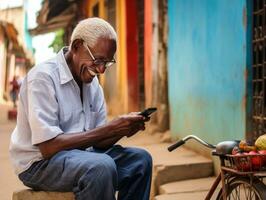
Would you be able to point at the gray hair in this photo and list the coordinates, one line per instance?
(91, 29)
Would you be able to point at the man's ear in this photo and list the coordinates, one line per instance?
(76, 44)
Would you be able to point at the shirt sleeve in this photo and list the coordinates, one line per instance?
(43, 110)
(102, 114)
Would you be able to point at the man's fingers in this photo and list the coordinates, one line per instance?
(135, 118)
(147, 119)
(134, 113)
(132, 131)
(135, 128)
(142, 126)
(139, 126)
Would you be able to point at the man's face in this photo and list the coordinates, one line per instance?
(90, 61)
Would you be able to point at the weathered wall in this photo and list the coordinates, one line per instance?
(208, 64)
(148, 37)
(110, 77)
(121, 84)
(132, 52)
(16, 16)
(3, 54)
(114, 81)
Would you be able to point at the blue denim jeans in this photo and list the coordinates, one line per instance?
(94, 174)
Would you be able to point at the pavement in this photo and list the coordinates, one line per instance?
(8, 180)
(169, 168)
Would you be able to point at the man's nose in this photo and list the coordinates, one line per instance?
(101, 68)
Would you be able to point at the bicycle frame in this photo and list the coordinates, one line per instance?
(213, 187)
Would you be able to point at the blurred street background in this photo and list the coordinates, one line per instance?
(8, 180)
(202, 63)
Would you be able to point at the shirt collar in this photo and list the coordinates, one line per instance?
(64, 71)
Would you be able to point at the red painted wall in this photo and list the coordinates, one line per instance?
(148, 51)
(132, 55)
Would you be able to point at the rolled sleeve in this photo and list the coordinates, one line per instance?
(43, 110)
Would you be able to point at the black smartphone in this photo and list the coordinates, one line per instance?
(147, 112)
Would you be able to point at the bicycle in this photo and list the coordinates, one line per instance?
(241, 179)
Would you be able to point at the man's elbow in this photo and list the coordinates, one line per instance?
(47, 149)
(46, 153)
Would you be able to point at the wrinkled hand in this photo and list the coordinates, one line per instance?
(146, 119)
(128, 125)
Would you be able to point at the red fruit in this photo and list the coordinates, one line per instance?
(256, 161)
(253, 153)
(262, 152)
(263, 158)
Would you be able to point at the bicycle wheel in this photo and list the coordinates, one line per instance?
(240, 188)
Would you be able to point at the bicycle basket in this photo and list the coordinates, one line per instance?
(246, 162)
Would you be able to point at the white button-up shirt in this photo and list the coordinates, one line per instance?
(49, 105)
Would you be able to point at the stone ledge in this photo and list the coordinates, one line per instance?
(29, 194)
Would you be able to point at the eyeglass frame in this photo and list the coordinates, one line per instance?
(105, 63)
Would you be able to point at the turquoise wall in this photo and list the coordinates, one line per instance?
(208, 61)
(28, 37)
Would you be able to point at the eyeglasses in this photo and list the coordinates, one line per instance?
(98, 62)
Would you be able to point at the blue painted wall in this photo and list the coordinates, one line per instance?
(208, 60)
(28, 37)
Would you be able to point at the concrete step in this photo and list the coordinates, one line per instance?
(173, 166)
(180, 164)
(201, 184)
(183, 196)
(187, 189)
(186, 196)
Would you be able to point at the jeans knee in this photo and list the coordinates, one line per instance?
(144, 159)
(99, 180)
(105, 169)
(147, 159)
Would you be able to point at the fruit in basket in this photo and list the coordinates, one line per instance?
(255, 159)
(261, 142)
(236, 150)
(247, 147)
(263, 152)
(242, 163)
(242, 144)
(263, 157)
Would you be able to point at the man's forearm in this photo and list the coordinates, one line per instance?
(104, 144)
(101, 137)
(76, 140)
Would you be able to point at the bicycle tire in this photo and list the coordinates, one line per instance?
(239, 188)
